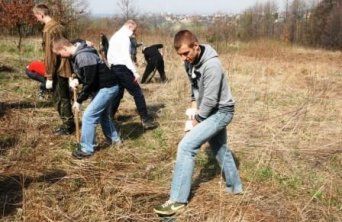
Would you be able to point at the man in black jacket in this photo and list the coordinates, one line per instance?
(154, 61)
(100, 83)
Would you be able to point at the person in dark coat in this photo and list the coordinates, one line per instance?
(154, 61)
(103, 47)
(133, 49)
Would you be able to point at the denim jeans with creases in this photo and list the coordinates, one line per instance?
(99, 111)
(213, 130)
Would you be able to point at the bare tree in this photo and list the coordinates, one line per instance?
(326, 24)
(258, 21)
(294, 24)
(128, 9)
(270, 14)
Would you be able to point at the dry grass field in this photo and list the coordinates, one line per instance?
(286, 134)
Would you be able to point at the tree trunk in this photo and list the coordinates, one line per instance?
(20, 36)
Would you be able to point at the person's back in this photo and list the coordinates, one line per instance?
(119, 49)
(37, 66)
(36, 71)
(86, 59)
(152, 51)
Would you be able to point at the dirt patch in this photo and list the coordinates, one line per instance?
(5, 68)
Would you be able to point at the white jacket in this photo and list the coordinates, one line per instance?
(119, 49)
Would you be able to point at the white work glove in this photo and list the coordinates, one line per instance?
(48, 84)
(73, 83)
(188, 125)
(191, 112)
(76, 106)
(89, 43)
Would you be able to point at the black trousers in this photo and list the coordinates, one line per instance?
(127, 81)
(37, 77)
(62, 101)
(155, 62)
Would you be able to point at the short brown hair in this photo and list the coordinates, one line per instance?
(184, 37)
(59, 43)
(41, 8)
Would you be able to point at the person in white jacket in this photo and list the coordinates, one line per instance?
(120, 61)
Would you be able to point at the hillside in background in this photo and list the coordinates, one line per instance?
(286, 134)
(314, 23)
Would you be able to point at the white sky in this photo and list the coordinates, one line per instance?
(110, 7)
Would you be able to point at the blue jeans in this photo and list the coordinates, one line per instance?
(213, 130)
(98, 111)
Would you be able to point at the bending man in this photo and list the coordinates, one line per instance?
(154, 61)
(100, 83)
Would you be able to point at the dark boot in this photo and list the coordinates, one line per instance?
(65, 130)
(148, 123)
(79, 154)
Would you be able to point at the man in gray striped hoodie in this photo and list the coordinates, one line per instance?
(212, 109)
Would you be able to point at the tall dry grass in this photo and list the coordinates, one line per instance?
(286, 133)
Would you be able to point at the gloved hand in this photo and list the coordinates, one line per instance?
(48, 84)
(137, 77)
(89, 43)
(188, 125)
(191, 112)
(73, 83)
(76, 106)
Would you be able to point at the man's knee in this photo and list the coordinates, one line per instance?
(187, 149)
(89, 118)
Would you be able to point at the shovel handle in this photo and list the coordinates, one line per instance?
(76, 116)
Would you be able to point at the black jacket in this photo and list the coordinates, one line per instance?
(91, 71)
(152, 51)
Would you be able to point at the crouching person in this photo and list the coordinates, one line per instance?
(98, 82)
(36, 71)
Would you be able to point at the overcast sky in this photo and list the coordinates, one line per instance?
(110, 7)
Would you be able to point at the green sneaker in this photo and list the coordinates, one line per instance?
(169, 208)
